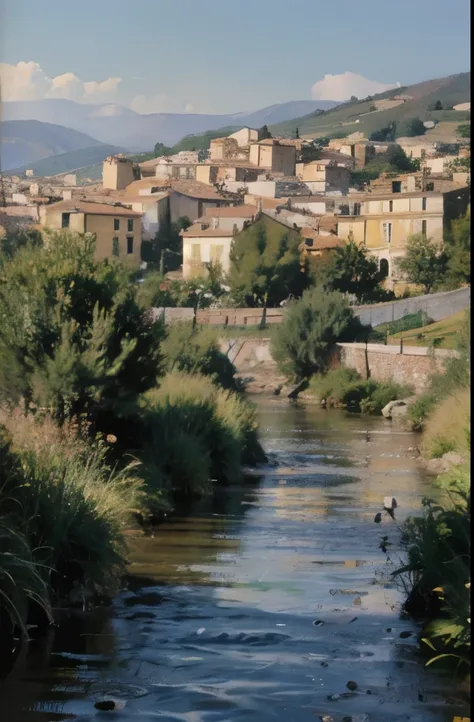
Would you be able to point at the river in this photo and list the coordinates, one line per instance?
(260, 604)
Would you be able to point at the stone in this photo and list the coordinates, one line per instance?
(387, 410)
(389, 502)
(378, 517)
(352, 686)
(110, 705)
(451, 457)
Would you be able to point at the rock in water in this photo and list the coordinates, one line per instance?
(378, 517)
(387, 410)
(389, 502)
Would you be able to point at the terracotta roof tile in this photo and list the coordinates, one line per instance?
(196, 189)
(232, 212)
(92, 208)
(196, 231)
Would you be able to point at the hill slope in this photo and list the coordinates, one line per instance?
(24, 142)
(113, 124)
(360, 116)
(68, 162)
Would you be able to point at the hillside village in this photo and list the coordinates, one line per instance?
(317, 189)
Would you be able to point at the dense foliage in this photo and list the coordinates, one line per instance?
(345, 388)
(266, 266)
(303, 341)
(351, 269)
(423, 263)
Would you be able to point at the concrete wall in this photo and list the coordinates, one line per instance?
(413, 367)
(198, 251)
(437, 306)
(193, 208)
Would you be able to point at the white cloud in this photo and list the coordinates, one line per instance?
(190, 108)
(28, 81)
(144, 104)
(341, 87)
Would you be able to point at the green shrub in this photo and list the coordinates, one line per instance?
(197, 351)
(302, 343)
(439, 446)
(71, 507)
(189, 416)
(344, 387)
(437, 573)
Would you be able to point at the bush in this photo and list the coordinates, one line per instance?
(303, 341)
(437, 573)
(70, 505)
(197, 351)
(345, 388)
(188, 416)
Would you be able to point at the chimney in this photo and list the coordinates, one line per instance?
(215, 223)
(259, 205)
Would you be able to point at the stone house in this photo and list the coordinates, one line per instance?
(324, 175)
(118, 230)
(383, 222)
(209, 239)
(118, 172)
(192, 199)
(274, 155)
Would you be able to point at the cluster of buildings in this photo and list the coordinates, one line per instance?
(293, 181)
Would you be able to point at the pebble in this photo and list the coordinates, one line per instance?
(201, 630)
(318, 623)
(110, 705)
(352, 686)
(405, 635)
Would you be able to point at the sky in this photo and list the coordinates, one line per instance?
(225, 56)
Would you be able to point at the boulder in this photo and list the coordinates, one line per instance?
(387, 410)
(453, 459)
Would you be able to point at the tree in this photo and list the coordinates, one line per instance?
(265, 265)
(437, 105)
(73, 338)
(411, 127)
(353, 271)
(10, 243)
(303, 341)
(353, 99)
(165, 251)
(264, 133)
(384, 135)
(424, 264)
(160, 150)
(458, 251)
(297, 133)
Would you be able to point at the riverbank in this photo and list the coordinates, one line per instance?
(256, 603)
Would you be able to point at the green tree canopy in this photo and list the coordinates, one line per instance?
(161, 149)
(410, 128)
(265, 264)
(458, 251)
(73, 338)
(352, 270)
(424, 263)
(264, 133)
(464, 130)
(303, 341)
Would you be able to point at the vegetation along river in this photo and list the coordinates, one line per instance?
(260, 604)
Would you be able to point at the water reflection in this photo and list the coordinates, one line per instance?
(256, 605)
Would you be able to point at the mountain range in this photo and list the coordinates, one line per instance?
(122, 127)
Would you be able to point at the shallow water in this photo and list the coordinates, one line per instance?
(260, 604)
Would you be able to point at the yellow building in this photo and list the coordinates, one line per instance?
(383, 222)
(118, 230)
(272, 155)
(118, 172)
(209, 239)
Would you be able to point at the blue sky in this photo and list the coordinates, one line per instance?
(223, 55)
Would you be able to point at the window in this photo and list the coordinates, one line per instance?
(423, 204)
(116, 224)
(357, 207)
(384, 267)
(423, 228)
(130, 225)
(390, 206)
(200, 209)
(115, 246)
(196, 252)
(65, 220)
(129, 244)
(430, 186)
(387, 232)
(396, 186)
(216, 254)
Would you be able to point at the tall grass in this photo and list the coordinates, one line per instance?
(70, 505)
(199, 433)
(438, 568)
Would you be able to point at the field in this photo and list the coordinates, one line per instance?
(441, 334)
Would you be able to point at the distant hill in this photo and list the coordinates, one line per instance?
(24, 142)
(360, 115)
(116, 125)
(68, 162)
